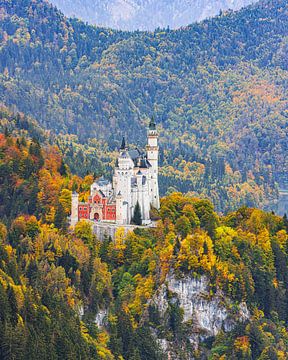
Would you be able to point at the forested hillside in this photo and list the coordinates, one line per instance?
(217, 90)
(54, 283)
(145, 14)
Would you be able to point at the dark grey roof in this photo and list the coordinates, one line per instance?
(123, 144)
(144, 163)
(124, 155)
(111, 199)
(101, 192)
(135, 154)
(152, 124)
(102, 181)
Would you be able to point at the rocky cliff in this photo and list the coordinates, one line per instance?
(204, 313)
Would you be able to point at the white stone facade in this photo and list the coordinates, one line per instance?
(135, 180)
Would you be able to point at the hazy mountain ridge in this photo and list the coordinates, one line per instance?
(145, 14)
(217, 90)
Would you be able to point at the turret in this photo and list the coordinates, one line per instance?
(152, 157)
(123, 144)
(74, 209)
(122, 182)
(119, 209)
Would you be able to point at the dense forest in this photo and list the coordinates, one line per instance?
(217, 90)
(54, 282)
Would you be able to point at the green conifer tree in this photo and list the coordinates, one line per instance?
(63, 168)
(137, 217)
(60, 220)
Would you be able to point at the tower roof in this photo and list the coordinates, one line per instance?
(152, 124)
(123, 144)
(144, 164)
(135, 154)
(124, 155)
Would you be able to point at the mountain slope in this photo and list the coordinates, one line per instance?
(198, 285)
(145, 14)
(217, 90)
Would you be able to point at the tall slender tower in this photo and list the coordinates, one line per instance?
(152, 156)
(74, 209)
(122, 181)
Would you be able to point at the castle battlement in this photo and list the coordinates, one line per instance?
(131, 194)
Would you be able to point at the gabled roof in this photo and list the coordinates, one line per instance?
(144, 163)
(102, 181)
(102, 194)
(135, 154)
(111, 200)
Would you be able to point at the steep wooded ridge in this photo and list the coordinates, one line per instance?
(217, 90)
(145, 14)
(198, 286)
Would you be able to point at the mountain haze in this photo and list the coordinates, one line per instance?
(145, 14)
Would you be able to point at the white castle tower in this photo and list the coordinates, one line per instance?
(122, 182)
(152, 156)
(74, 209)
(135, 182)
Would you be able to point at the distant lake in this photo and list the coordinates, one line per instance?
(282, 206)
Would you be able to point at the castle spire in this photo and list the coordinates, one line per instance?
(152, 124)
(123, 145)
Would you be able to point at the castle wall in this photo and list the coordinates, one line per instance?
(104, 229)
(109, 229)
(83, 211)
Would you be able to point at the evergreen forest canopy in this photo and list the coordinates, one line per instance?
(217, 89)
(49, 276)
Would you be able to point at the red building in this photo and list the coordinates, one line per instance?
(101, 205)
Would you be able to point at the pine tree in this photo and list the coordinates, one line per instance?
(137, 217)
(63, 168)
(60, 220)
(6, 132)
(13, 305)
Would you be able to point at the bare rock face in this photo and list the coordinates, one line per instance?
(145, 14)
(205, 314)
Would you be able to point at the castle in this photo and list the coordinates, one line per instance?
(134, 185)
